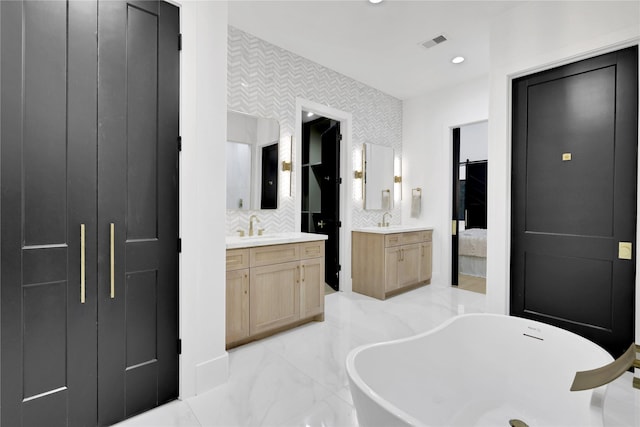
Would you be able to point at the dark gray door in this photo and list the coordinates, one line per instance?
(455, 208)
(138, 84)
(321, 189)
(575, 137)
(64, 175)
(475, 194)
(48, 163)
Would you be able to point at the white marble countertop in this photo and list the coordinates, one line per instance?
(393, 229)
(237, 242)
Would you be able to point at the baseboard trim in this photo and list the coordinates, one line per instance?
(212, 373)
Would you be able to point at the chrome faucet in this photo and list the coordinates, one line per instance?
(385, 223)
(251, 218)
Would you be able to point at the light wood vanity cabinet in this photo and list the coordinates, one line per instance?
(237, 304)
(387, 264)
(282, 286)
(426, 256)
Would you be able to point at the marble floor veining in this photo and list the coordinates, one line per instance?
(298, 377)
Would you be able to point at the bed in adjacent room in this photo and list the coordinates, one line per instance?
(472, 252)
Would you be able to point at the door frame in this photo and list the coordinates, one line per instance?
(346, 190)
(448, 248)
(455, 205)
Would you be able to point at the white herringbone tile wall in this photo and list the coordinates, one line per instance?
(264, 80)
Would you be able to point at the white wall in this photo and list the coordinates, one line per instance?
(529, 38)
(474, 142)
(203, 122)
(428, 156)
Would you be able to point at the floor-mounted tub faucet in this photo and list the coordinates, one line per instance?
(251, 218)
(585, 380)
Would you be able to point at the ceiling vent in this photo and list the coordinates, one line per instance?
(434, 41)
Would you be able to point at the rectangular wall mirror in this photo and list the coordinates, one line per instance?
(378, 177)
(252, 162)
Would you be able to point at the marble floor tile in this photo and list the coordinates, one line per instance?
(173, 414)
(323, 354)
(622, 403)
(332, 411)
(263, 390)
(298, 377)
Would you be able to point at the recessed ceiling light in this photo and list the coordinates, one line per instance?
(375, 1)
(457, 60)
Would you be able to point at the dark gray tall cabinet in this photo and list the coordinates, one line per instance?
(88, 210)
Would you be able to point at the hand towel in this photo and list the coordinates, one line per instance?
(416, 205)
(386, 200)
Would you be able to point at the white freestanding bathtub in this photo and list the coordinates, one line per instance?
(477, 370)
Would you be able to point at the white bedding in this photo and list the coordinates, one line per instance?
(473, 242)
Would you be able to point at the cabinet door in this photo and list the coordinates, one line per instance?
(312, 287)
(48, 161)
(138, 101)
(237, 305)
(425, 261)
(409, 265)
(274, 298)
(391, 261)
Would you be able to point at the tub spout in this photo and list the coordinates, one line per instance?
(585, 380)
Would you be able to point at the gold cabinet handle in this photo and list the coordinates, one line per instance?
(82, 264)
(303, 273)
(112, 257)
(298, 271)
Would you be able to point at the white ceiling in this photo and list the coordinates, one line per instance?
(379, 45)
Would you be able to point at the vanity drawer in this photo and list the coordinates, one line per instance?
(412, 237)
(312, 249)
(392, 240)
(275, 254)
(406, 238)
(237, 259)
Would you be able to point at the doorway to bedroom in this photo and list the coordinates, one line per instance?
(469, 219)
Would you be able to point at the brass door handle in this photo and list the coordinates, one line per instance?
(112, 232)
(82, 264)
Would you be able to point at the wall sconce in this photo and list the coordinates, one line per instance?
(357, 167)
(397, 176)
(287, 164)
